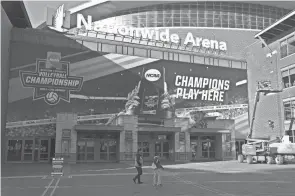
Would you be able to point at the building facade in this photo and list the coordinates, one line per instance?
(71, 119)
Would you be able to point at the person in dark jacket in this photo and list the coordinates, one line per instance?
(157, 171)
(138, 165)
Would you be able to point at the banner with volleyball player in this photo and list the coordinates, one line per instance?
(51, 80)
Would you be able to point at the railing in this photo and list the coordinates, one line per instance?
(179, 112)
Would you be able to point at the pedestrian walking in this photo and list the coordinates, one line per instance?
(157, 171)
(138, 165)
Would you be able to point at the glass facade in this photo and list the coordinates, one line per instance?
(201, 14)
(289, 108)
(287, 46)
(288, 76)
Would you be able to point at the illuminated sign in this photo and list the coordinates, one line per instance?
(59, 20)
(51, 80)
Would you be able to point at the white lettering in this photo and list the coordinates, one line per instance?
(81, 20)
(147, 34)
(222, 46)
(177, 82)
(189, 39)
(122, 31)
(179, 92)
(198, 40)
(214, 44)
(174, 38)
(206, 43)
(164, 36)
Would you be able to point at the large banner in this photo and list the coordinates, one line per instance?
(101, 85)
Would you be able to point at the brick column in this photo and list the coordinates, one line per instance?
(66, 121)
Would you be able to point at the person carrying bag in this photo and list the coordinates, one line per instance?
(157, 167)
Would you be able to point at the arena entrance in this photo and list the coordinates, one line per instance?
(98, 145)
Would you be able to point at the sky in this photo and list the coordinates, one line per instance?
(37, 9)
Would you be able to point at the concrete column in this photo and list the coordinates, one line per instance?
(176, 142)
(66, 121)
(130, 123)
(134, 141)
(122, 145)
(188, 145)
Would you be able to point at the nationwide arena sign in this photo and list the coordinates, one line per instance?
(59, 20)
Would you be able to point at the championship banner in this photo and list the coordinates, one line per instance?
(51, 80)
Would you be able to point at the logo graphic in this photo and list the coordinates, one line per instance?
(51, 80)
(152, 75)
(58, 20)
(152, 101)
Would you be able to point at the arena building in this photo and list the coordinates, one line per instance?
(173, 79)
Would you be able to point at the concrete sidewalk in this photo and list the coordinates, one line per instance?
(231, 166)
(41, 169)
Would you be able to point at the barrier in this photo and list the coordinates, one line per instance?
(179, 111)
(57, 167)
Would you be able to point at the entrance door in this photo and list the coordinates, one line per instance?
(28, 150)
(41, 150)
(162, 149)
(144, 147)
(208, 149)
(108, 149)
(14, 150)
(85, 150)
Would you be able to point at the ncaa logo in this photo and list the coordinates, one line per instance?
(152, 75)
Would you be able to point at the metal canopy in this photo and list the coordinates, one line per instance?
(286, 23)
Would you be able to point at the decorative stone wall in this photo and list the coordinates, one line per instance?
(31, 131)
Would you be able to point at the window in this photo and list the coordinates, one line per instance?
(287, 46)
(289, 109)
(288, 77)
(291, 136)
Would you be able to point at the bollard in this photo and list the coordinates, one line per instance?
(57, 167)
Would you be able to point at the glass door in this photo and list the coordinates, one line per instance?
(89, 150)
(194, 147)
(41, 150)
(112, 147)
(14, 150)
(81, 149)
(108, 149)
(145, 148)
(28, 150)
(85, 150)
(162, 149)
(208, 149)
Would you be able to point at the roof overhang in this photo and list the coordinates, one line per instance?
(285, 24)
(17, 13)
(209, 130)
(91, 127)
(158, 129)
(102, 9)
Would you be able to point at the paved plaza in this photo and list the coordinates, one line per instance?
(180, 181)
